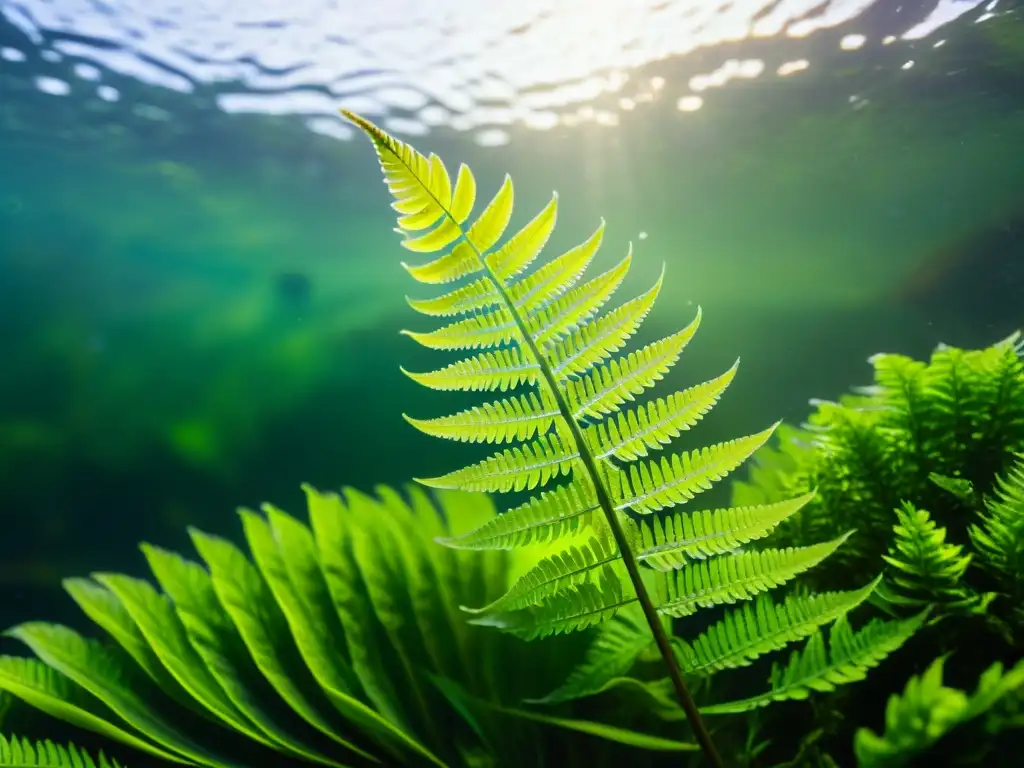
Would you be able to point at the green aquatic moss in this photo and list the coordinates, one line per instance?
(937, 435)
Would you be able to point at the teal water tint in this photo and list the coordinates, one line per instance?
(201, 310)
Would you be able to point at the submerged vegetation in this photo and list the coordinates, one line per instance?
(337, 642)
(389, 629)
(927, 464)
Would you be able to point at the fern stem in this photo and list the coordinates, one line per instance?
(604, 500)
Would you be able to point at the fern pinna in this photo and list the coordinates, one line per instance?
(541, 329)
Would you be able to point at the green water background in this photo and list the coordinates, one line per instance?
(153, 376)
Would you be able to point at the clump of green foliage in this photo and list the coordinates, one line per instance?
(928, 710)
(927, 465)
(24, 753)
(338, 642)
(930, 447)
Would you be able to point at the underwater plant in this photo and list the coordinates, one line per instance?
(340, 644)
(928, 710)
(542, 329)
(927, 463)
(23, 753)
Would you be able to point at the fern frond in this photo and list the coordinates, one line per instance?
(485, 329)
(551, 515)
(649, 486)
(554, 278)
(613, 653)
(564, 342)
(999, 538)
(502, 421)
(732, 578)
(523, 247)
(479, 294)
(847, 660)
(502, 369)
(553, 321)
(632, 434)
(23, 753)
(671, 541)
(571, 609)
(597, 341)
(523, 467)
(603, 389)
(569, 567)
(927, 710)
(924, 569)
(759, 627)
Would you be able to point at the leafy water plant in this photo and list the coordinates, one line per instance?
(339, 644)
(22, 753)
(925, 463)
(542, 329)
(928, 710)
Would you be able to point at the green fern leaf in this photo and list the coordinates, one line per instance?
(568, 610)
(848, 658)
(553, 321)
(650, 486)
(631, 434)
(927, 710)
(732, 578)
(1000, 536)
(520, 468)
(503, 421)
(502, 370)
(924, 569)
(22, 753)
(605, 387)
(553, 514)
(599, 340)
(553, 279)
(613, 653)
(759, 627)
(569, 567)
(671, 541)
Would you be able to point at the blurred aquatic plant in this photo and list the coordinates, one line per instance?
(543, 330)
(998, 537)
(927, 710)
(23, 753)
(338, 643)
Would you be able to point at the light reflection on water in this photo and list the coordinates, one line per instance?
(473, 66)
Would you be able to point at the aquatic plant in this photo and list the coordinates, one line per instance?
(923, 464)
(23, 753)
(928, 710)
(542, 329)
(927, 463)
(339, 643)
